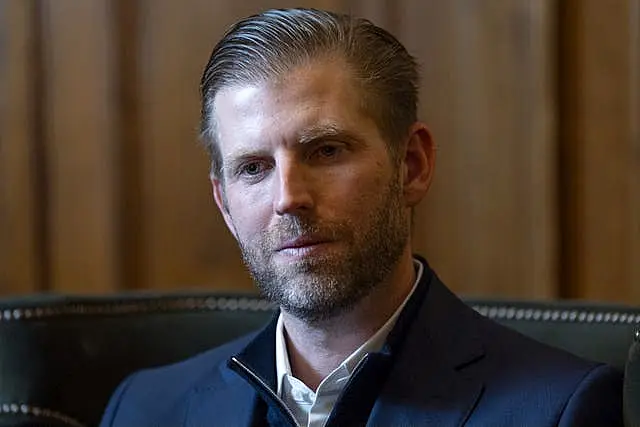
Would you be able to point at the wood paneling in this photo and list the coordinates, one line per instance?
(634, 172)
(126, 15)
(534, 105)
(601, 146)
(21, 262)
(384, 13)
(81, 148)
(488, 95)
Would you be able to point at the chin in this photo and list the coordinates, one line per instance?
(316, 311)
(320, 298)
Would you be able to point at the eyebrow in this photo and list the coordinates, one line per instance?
(319, 132)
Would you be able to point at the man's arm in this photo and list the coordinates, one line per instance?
(597, 401)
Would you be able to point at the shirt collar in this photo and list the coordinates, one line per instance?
(373, 344)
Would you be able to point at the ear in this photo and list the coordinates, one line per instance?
(221, 202)
(418, 164)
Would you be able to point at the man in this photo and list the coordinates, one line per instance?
(317, 162)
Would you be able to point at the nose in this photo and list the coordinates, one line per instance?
(293, 195)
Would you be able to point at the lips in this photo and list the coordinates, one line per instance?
(301, 242)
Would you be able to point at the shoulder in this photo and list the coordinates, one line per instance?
(163, 392)
(523, 380)
(552, 383)
(503, 349)
(596, 401)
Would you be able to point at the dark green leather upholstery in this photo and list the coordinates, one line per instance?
(61, 357)
(632, 384)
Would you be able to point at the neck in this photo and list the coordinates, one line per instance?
(315, 350)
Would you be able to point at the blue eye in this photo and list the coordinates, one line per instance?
(328, 151)
(251, 169)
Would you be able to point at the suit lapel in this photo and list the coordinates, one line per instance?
(432, 381)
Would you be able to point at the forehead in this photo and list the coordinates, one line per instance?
(316, 94)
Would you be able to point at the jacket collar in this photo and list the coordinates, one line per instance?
(225, 396)
(429, 379)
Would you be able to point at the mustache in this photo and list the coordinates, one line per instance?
(295, 227)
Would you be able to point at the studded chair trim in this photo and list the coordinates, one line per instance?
(506, 312)
(497, 311)
(141, 306)
(35, 411)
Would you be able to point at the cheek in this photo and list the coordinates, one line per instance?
(250, 212)
(357, 192)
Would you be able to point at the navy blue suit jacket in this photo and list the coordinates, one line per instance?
(449, 366)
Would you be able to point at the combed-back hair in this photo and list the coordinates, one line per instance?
(267, 46)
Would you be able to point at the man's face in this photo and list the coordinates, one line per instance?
(309, 190)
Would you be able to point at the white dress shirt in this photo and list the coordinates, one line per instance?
(312, 409)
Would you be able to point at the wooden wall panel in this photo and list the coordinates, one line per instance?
(21, 264)
(384, 13)
(81, 148)
(185, 241)
(601, 146)
(488, 94)
(103, 185)
(634, 171)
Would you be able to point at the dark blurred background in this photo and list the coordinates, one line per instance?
(534, 104)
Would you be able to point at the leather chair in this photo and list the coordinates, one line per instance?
(61, 357)
(631, 404)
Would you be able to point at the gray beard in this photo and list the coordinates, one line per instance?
(320, 288)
